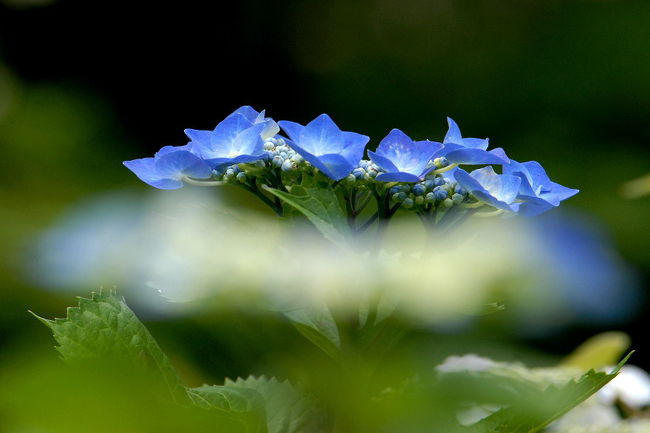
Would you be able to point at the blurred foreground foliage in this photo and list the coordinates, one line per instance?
(117, 378)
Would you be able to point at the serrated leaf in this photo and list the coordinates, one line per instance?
(248, 405)
(321, 206)
(317, 325)
(288, 410)
(104, 328)
(531, 413)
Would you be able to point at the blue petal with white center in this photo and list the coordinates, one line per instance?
(237, 139)
(471, 151)
(168, 168)
(334, 152)
(498, 190)
(537, 192)
(402, 159)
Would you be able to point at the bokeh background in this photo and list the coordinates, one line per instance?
(86, 85)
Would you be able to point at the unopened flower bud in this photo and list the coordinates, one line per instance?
(419, 189)
(277, 161)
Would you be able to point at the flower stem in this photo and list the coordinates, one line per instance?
(444, 169)
(200, 182)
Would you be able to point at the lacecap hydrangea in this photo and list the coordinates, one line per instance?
(261, 155)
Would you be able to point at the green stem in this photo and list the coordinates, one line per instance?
(252, 188)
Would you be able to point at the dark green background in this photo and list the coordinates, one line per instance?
(86, 85)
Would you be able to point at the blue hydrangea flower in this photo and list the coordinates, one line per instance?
(238, 138)
(402, 159)
(169, 166)
(498, 190)
(537, 191)
(334, 152)
(471, 151)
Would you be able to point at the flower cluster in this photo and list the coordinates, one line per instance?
(247, 148)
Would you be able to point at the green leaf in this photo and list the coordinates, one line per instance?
(317, 325)
(248, 405)
(104, 328)
(319, 203)
(288, 410)
(598, 351)
(533, 411)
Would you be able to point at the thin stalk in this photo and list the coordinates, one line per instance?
(199, 182)
(252, 188)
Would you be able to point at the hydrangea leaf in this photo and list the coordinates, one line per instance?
(532, 413)
(246, 404)
(598, 351)
(318, 326)
(320, 205)
(104, 328)
(288, 409)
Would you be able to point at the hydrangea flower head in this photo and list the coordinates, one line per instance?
(402, 159)
(537, 191)
(334, 152)
(169, 166)
(461, 150)
(238, 138)
(498, 190)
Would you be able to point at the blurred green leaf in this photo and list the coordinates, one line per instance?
(598, 351)
(288, 410)
(532, 412)
(317, 325)
(320, 205)
(233, 399)
(104, 327)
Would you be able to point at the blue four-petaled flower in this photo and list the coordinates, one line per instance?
(237, 139)
(537, 192)
(334, 152)
(402, 159)
(469, 151)
(498, 190)
(169, 166)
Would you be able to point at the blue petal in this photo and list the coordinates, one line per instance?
(477, 156)
(292, 129)
(354, 146)
(175, 165)
(447, 148)
(407, 155)
(383, 162)
(502, 187)
(466, 181)
(248, 142)
(321, 136)
(337, 166)
(557, 193)
(226, 132)
(270, 130)
(490, 187)
(200, 137)
(476, 143)
(168, 149)
(310, 158)
(533, 206)
(248, 112)
(146, 171)
(144, 168)
(398, 176)
(533, 176)
(453, 133)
